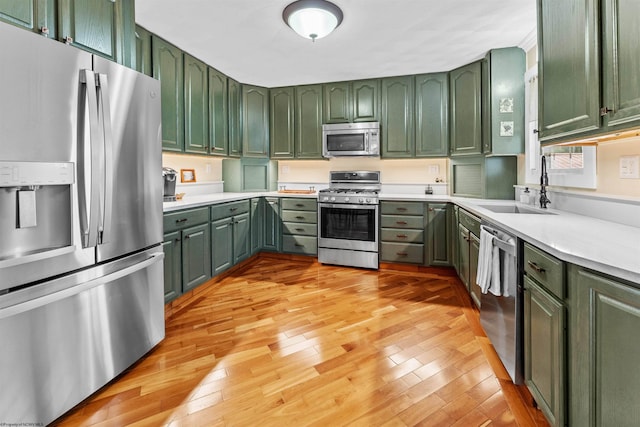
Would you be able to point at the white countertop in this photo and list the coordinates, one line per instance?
(589, 242)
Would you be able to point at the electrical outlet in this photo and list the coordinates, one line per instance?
(434, 169)
(208, 167)
(629, 167)
(285, 169)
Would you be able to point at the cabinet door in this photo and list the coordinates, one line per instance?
(143, 51)
(196, 106)
(309, 122)
(474, 252)
(621, 63)
(257, 224)
(255, 121)
(196, 261)
(337, 102)
(463, 255)
(568, 67)
(544, 350)
(218, 117)
(167, 67)
(465, 85)
(33, 15)
(432, 115)
(241, 237)
(366, 100)
(397, 117)
(221, 245)
(272, 225)
(454, 239)
(604, 379)
(93, 26)
(235, 118)
(172, 248)
(282, 123)
(438, 235)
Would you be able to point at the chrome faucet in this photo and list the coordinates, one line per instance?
(544, 183)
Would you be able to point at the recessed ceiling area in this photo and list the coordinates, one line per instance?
(248, 40)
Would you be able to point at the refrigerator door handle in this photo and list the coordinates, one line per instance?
(106, 190)
(88, 195)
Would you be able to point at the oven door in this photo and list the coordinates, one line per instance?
(352, 227)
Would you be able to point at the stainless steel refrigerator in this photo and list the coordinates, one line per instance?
(81, 273)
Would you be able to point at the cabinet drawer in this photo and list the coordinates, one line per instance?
(306, 245)
(402, 208)
(399, 221)
(546, 269)
(471, 222)
(400, 235)
(299, 216)
(299, 228)
(225, 210)
(402, 252)
(299, 204)
(178, 220)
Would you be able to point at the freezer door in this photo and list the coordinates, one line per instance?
(132, 207)
(63, 340)
(39, 222)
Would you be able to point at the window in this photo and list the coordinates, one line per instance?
(567, 166)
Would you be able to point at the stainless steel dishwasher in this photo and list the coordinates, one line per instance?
(501, 316)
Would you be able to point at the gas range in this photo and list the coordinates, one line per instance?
(352, 187)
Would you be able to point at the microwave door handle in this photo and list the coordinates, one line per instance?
(87, 191)
(106, 183)
(366, 142)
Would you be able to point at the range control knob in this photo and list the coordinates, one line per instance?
(346, 199)
(368, 200)
(360, 200)
(325, 198)
(333, 199)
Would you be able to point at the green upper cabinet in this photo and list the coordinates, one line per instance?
(432, 115)
(104, 27)
(465, 85)
(569, 85)
(282, 130)
(35, 15)
(218, 117)
(308, 126)
(235, 117)
(366, 100)
(503, 96)
(356, 101)
(337, 102)
(196, 106)
(397, 126)
(255, 121)
(621, 63)
(143, 51)
(168, 68)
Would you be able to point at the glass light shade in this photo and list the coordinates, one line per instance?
(312, 19)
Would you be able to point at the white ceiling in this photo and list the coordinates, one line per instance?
(248, 40)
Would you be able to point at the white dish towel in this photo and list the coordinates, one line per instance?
(488, 275)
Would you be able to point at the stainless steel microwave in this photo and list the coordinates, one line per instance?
(351, 139)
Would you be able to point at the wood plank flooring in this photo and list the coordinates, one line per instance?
(284, 342)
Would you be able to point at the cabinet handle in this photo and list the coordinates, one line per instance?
(299, 205)
(430, 209)
(401, 236)
(605, 110)
(402, 253)
(67, 40)
(401, 222)
(536, 131)
(299, 217)
(536, 267)
(233, 209)
(299, 245)
(177, 240)
(401, 209)
(299, 229)
(187, 237)
(44, 31)
(181, 220)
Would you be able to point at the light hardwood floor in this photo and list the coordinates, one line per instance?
(289, 342)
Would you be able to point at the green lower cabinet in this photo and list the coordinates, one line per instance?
(402, 232)
(544, 350)
(604, 320)
(474, 252)
(241, 237)
(463, 255)
(272, 224)
(257, 224)
(299, 226)
(438, 234)
(196, 261)
(221, 245)
(172, 248)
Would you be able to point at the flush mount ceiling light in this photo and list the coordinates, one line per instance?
(312, 19)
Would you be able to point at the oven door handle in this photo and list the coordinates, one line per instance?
(347, 206)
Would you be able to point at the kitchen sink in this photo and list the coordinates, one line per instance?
(514, 209)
